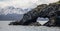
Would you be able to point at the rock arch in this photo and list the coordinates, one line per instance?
(49, 11)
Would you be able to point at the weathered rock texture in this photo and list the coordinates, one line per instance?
(53, 15)
(51, 11)
(31, 16)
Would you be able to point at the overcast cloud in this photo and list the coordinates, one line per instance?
(23, 3)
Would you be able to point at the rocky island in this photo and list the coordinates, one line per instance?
(51, 11)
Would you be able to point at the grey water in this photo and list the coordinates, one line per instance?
(5, 27)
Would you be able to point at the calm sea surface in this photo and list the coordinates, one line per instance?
(5, 27)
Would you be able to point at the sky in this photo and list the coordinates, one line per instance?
(24, 3)
(21, 4)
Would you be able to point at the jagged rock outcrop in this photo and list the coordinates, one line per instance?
(51, 11)
(53, 15)
(31, 16)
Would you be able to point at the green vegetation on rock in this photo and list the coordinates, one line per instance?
(58, 2)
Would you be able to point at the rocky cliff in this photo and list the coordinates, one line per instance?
(50, 11)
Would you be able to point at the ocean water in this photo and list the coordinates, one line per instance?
(5, 27)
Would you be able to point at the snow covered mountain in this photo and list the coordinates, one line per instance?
(13, 10)
(12, 13)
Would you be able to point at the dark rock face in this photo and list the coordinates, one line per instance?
(51, 11)
(30, 16)
(53, 15)
(35, 24)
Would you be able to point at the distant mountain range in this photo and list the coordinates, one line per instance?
(11, 17)
(12, 13)
(11, 10)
